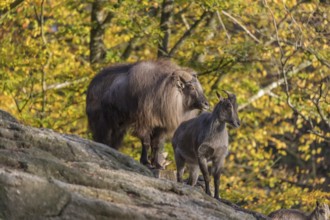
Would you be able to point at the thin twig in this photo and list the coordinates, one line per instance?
(6, 10)
(187, 34)
(65, 84)
(43, 77)
(300, 35)
(42, 22)
(273, 85)
(310, 187)
(185, 9)
(222, 24)
(220, 65)
(305, 49)
(288, 100)
(290, 11)
(318, 107)
(242, 26)
(283, 71)
(184, 20)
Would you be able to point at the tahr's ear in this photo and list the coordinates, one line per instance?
(180, 84)
(181, 77)
(177, 80)
(317, 203)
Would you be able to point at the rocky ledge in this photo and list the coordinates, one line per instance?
(48, 175)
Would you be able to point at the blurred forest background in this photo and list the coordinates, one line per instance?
(274, 55)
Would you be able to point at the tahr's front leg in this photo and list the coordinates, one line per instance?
(145, 141)
(157, 147)
(205, 151)
(216, 178)
(203, 166)
(217, 166)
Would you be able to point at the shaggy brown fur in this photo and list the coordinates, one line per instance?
(151, 97)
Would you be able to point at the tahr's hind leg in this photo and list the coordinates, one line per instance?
(193, 174)
(180, 163)
(99, 127)
(116, 137)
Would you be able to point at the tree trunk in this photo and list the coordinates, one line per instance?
(165, 22)
(100, 17)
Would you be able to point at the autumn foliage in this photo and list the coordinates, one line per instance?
(274, 55)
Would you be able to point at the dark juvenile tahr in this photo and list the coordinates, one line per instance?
(321, 212)
(150, 97)
(204, 139)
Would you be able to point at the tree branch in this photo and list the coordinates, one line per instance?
(49, 54)
(284, 72)
(130, 46)
(18, 92)
(273, 85)
(290, 11)
(184, 20)
(318, 107)
(223, 25)
(302, 185)
(211, 26)
(11, 6)
(187, 34)
(57, 86)
(307, 50)
(41, 23)
(220, 65)
(242, 26)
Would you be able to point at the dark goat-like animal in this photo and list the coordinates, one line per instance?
(96, 117)
(152, 97)
(205, 138)
(321, 212)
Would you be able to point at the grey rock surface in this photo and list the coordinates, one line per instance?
(48, 175)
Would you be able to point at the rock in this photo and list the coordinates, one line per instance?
(6, 116)
(47, 175)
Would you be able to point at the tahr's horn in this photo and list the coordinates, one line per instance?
(228, 94)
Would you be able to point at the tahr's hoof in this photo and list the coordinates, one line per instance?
(145, 163)
(218, 198)
(149, 166)
(158, 166)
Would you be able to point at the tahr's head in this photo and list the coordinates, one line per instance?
(226, 109)
(191, 89)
